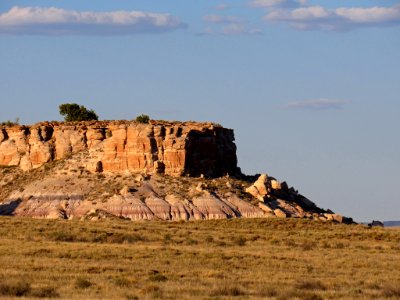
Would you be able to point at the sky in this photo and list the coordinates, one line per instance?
(311, 88)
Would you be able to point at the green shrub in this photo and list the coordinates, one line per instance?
(143, 119)
(75, 112)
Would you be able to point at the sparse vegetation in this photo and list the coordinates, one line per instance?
(75, 112)
(9, 123)
(239, 258)
(16, 288)
(82, 283)
(142, 119)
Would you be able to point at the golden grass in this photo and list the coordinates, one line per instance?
(240, 259)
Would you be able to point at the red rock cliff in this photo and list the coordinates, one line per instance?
(172, 148)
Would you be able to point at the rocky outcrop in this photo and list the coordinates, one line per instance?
(120, 169)
(261, 188)
(172, 148)
(281, 201)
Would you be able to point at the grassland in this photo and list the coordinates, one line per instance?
(241, 259)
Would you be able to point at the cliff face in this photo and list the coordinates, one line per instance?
(170, 148)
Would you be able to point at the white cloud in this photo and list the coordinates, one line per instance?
(56, 21)
(370, 15)
(227, 25)
(319, 104)
(239, 29)
(230, 29)
(222, 6)
(318, 17)
(309, 13)
(277, 3)
(217, 19)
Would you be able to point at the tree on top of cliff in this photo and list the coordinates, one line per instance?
(76, 112)
(142, 119)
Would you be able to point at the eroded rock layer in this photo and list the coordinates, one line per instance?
(171, 148)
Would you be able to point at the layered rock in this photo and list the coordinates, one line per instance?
(172, 148)
(120, 169)
(61, 202)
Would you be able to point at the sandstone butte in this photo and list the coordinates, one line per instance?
(160, 170)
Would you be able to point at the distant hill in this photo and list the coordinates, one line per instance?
(391, 223)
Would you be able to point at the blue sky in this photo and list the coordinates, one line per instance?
(310, 87)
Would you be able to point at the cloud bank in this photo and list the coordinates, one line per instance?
(299, 15)
(319, 104)
(227, 25)
(57, 21)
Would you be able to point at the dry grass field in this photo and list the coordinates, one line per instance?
(240, 259)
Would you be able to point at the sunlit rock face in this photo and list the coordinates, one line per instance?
(171, 148)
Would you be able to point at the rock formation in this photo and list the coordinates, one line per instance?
(157, 171)
(171, 148)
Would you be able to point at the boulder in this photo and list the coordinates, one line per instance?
(334, 217)
(275, 185)
(259, 189)
(280, 213)
(265, 207)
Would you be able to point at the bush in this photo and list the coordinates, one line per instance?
(157, 276)
(240, 241)
(75, 112)
(16, 289)
(45, 292)
(122, 282)
(267, 292)
(391, 291)
(143, 119)
(126, 238)
(227, 290)
(82, 283)
(9, 123)
(311, 285)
